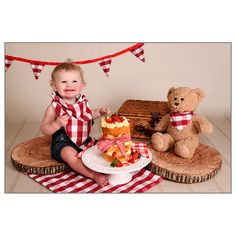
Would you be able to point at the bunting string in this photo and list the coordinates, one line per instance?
(104, 62)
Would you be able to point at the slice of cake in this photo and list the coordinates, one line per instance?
(115, 143)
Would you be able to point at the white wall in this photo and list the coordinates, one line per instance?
(203, 65)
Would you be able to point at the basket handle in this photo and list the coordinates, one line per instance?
(155, 118)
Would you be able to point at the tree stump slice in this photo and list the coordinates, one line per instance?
(33, 156)
(204, 165)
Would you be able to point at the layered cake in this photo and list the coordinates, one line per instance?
(115, 143)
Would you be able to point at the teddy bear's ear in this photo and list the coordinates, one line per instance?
(200, 93)
(171, 90)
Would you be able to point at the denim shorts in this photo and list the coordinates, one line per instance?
(60, 140)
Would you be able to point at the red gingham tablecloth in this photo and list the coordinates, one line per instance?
(72, 182)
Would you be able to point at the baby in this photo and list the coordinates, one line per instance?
(69, 119)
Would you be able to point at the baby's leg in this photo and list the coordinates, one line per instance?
(70, 156)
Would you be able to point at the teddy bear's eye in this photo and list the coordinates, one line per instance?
(175, 98)
(182, 99)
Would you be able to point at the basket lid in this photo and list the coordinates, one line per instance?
(141, 108)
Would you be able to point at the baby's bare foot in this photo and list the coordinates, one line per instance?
(100, 179)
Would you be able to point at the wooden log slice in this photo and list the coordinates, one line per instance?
(204, 165)
(34, 156)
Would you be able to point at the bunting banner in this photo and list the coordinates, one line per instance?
(104, 62)
(37, 69)
(139, 53)
(105, 65)
(7, 63)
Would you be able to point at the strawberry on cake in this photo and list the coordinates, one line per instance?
(115, 143)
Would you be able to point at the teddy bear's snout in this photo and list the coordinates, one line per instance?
(176, 103)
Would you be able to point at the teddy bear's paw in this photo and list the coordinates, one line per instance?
(158, 142)
(182, 151)
(206, 128)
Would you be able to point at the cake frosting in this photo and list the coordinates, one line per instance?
(111, 125)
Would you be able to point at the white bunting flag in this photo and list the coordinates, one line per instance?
(139, 53)
(105, 65)
(7, 63)
(37, 69)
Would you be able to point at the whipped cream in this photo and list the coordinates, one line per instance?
(116, 124)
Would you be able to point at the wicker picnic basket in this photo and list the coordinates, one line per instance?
(143, 116)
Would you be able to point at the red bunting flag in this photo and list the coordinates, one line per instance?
(105, 64)
(37, 69)
(139, 53)
(7, 63)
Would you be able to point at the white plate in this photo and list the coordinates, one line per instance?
(93, 159)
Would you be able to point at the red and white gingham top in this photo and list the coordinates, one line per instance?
(80, 122)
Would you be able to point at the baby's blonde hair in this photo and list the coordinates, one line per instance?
(67, 67)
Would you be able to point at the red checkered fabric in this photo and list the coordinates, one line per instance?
(105, 65)
(7, 63)
(37, 69)
(71, 182)
(80, 121)
(139, 53)
(141, 147)
(180, 120)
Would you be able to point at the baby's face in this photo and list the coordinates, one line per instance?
(68, 83)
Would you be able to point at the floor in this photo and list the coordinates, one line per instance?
(220, 139)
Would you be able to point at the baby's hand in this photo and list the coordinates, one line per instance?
(104, 111)
(62, 120)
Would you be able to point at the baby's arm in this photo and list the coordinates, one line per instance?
(99, 112)
(51, 123)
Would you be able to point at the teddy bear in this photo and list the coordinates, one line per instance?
(180, 128)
